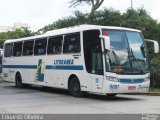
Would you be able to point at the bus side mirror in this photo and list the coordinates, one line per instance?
(106, 42)
(153, 46)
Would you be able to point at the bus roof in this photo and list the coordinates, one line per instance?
(72, 29)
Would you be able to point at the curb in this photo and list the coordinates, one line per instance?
(1, 81)
(150, 93)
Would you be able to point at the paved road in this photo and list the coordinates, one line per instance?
(38, 100)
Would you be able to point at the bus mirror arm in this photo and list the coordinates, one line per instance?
(106, 42)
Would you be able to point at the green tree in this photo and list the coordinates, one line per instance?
(108, 17)
(155, 71)
(141, 19)
(138, 19)
(77, 19)
(18, 33)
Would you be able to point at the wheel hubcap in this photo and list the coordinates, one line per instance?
(76, 87)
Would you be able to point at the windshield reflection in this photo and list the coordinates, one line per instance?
(128, 52)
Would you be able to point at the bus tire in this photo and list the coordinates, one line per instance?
(18, 81)
(75, 88)
(111, 95)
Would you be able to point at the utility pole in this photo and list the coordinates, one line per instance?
(131, 4)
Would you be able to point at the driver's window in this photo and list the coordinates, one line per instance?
(118, 41)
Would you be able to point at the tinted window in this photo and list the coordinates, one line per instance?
(55, 45)
(8, 50)
(40, 46)
(17, 49)
(28, 48)
(134, 37)
(72, 43)
(118, 40)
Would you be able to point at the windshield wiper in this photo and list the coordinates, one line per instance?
(132, 58)
(143, 49)
(113, 57)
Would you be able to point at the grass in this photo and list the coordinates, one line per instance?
(154, 90)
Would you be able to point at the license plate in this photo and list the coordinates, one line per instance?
(131, 87)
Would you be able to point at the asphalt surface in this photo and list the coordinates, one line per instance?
(53, 101)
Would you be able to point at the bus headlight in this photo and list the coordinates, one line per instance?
(146, 79)
(114, 79)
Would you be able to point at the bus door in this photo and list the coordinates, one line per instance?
(93, 58)
(97, 71)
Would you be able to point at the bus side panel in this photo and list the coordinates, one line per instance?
(8, 73)
(60, 73)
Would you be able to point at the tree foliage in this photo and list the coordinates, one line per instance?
(138, 19)
(155, 71)
(18, 33)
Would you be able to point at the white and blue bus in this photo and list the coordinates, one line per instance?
(1, 55)
(85, 58)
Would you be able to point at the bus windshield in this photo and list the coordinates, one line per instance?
(128, 54)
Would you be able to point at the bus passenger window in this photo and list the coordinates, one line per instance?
(72, 43)
(40, 46)
(28, 48)
(55, 45)
(8, 50)
(17, 49)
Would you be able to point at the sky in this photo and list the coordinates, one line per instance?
(38, 13)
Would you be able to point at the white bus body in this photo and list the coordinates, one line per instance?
(1, 55)
(120, 69)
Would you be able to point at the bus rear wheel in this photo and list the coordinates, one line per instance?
(75, 88)
(18, 81)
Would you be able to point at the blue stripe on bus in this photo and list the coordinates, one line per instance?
(74, 67)
(140, 80)
(20, 66)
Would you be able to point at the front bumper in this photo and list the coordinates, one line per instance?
(117, 87)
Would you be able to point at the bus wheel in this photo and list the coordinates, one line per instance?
(18, 81)
(111, 95)
(74, 88)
